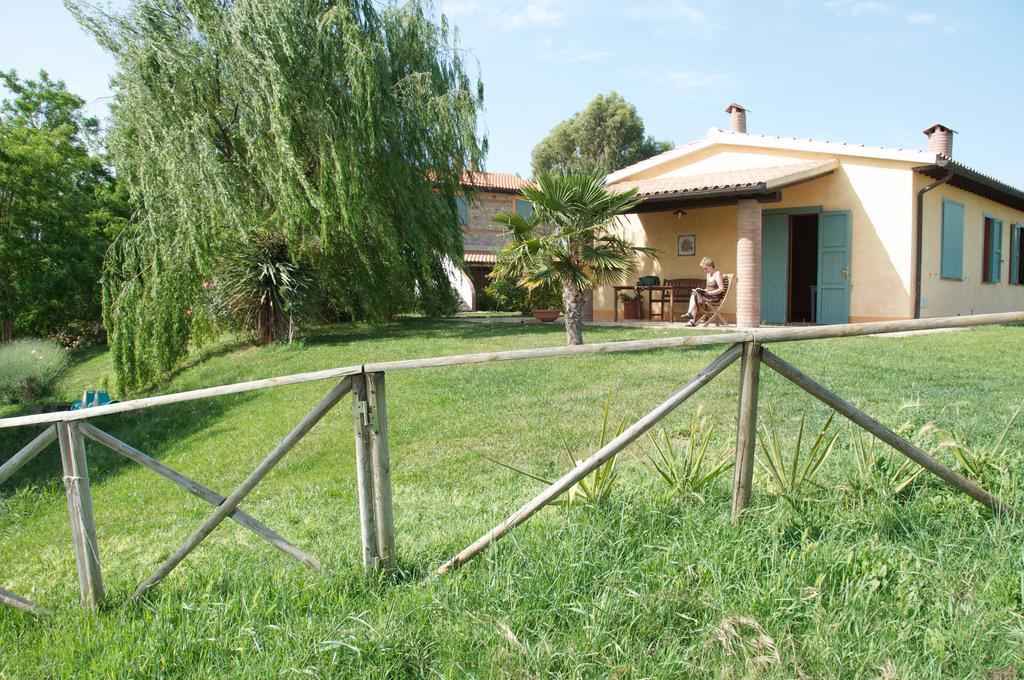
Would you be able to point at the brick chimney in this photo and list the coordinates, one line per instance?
(940, 140)
(737, 118)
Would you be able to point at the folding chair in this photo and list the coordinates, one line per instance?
(708, 312)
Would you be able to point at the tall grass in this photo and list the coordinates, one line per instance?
(859, 584)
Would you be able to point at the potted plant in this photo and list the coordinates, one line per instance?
(545, 303)
(630, 305)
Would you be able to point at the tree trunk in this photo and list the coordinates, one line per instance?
(6, 330)
(572, 300)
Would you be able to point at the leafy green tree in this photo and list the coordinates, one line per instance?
(56, 202)
(569, 241)
(605, 136)
(341, 125)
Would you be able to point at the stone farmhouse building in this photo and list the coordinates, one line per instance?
(485, 195)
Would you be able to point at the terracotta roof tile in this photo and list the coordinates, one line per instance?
(500, 181)
(479, 258)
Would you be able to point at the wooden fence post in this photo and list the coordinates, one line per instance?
(588, 465)
(381, 456)
(196, 489)
(83, 525)
(883, 433)
(231, 503)
(746, 428)
(361, 410)
(27, 453)
(18, 602)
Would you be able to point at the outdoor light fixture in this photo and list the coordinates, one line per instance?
(679, 214)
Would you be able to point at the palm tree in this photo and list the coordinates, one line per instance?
(569, 241)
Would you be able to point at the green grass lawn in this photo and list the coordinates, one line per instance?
(650, 584)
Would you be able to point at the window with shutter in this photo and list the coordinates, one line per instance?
(952, 259)
(1016, 254)
(463, 205)
(997, 251)
(986, 250)
(992, 250)
(524, 208)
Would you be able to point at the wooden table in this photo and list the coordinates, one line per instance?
(671, 300)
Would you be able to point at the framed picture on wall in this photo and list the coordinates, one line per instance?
(686, 245)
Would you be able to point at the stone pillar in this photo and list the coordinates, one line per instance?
(748, 263)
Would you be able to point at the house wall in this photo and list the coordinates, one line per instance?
(943, 297)
(715, 229)
(877, 192)
(481, 233)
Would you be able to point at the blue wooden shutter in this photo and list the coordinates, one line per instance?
(463, 204)
(996, 251)
(952, 265)
(835, 241)
(524, 208)
(1015, 236)
(774, 268)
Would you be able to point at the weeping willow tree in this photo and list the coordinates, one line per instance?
(342, 124)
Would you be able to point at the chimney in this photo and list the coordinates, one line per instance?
(737, 118)
(940, 140)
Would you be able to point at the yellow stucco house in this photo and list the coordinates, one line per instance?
(828, 232)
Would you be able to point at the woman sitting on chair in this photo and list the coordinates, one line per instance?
(713, 291)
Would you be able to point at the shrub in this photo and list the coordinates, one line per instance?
(28, 368)
(885, 471)
(78, 334)
(505, 295)
(597, 486)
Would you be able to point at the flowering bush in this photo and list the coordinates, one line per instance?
(28, 368)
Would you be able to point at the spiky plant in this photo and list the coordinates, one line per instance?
(791, 472)
(985, 462)
(259, 287)
(687, 469)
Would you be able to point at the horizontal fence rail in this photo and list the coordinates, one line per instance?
(760, 335)
(366, 384)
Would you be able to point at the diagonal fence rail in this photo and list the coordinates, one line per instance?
(366, 384)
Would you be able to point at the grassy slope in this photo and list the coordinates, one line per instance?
(648, 585)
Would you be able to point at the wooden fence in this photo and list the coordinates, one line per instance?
(366, 383)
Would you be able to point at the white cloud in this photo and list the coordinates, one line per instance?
(958, 27)
(682, 14)
(572, 53)
(692, 80)
(852, 8)
(538, 13)
(455, 7)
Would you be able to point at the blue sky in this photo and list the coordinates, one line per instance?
(862, 71)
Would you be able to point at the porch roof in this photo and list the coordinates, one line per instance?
(479, 257)
(740, 183)
(971, 180)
